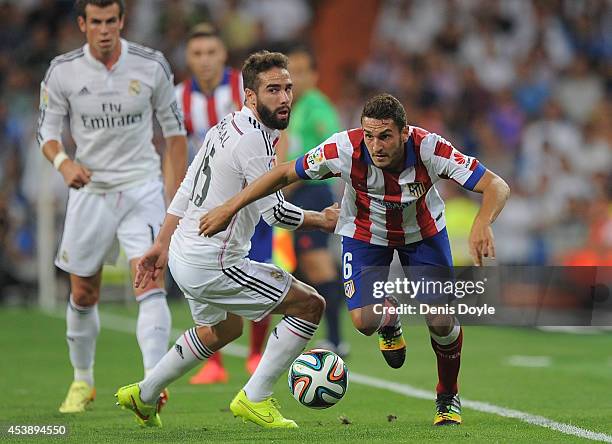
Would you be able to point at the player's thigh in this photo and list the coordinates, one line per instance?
(89, 233)
(429, 261)
(365, 268)
(302, 301)
(249, 289)
(143, 211)
(317, 266)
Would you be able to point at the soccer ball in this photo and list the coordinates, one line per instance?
(318, 379)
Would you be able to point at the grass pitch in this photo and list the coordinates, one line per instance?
(565, 378)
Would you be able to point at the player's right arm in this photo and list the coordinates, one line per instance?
(53, 108)
(153, 262)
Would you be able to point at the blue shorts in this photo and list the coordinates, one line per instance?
(364, 263)
(315, 198)
(261, 243)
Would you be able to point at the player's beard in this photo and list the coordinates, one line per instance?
(269, 119)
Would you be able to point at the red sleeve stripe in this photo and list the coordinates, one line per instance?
(443, 150)
(330, 150)
(474, 165)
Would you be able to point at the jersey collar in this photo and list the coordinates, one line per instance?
(98, 64)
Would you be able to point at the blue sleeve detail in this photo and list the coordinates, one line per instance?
(475, 177)
(299, 168)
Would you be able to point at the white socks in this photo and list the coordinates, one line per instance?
(153, 327)
(188, 351)
(285, 343)
(82, 328)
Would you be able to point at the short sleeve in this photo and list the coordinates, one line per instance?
(321, 162)
(449, 163)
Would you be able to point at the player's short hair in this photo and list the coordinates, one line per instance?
(80, 5)
(385, 106)
(203, 29)
(301, 48)
(259, 62)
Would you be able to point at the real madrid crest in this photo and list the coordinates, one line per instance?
(134, 87)
(278, 275)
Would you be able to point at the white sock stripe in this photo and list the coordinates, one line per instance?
(205, 351)
(151, 293)
(305, 329)
(79, 308)
(450, 338)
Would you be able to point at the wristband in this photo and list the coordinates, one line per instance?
(59, 158)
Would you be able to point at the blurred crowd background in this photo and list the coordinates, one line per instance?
(523, 85)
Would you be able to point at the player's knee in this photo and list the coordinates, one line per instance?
(85, 295)
(313, 304)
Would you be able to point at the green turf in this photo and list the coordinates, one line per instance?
(575, 388)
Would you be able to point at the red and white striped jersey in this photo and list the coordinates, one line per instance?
(388, 208)
(201, 112)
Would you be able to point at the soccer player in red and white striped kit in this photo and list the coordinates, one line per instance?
(390, 204)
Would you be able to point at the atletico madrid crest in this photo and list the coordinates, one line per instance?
(349, 289)
(416, 189)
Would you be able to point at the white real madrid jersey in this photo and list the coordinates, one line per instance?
(235, 152)
(110, 112)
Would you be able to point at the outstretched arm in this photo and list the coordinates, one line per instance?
(495, 192)
(217, 219)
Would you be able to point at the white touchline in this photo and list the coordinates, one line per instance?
(128, 325)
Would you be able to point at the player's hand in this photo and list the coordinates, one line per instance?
(75, 175)
(481, 242)
(151, 265)
(330, 217)
(215, 221)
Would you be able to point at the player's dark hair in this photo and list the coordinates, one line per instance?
(80, 5)
(385, 106)
(259, 62)
(301, 48)
(203, 30)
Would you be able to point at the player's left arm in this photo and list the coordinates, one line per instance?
(449, 163)
(170, 118)
(174, 164)
(495, 192)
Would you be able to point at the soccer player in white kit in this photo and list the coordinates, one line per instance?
(109, 89)
(211, 92)
(219, 282)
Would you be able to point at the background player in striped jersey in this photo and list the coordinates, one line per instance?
(213, 91)
(390, 204)
(109, 89)
(219, 282)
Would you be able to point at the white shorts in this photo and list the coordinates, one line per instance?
(250, 289)
(97, 224)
